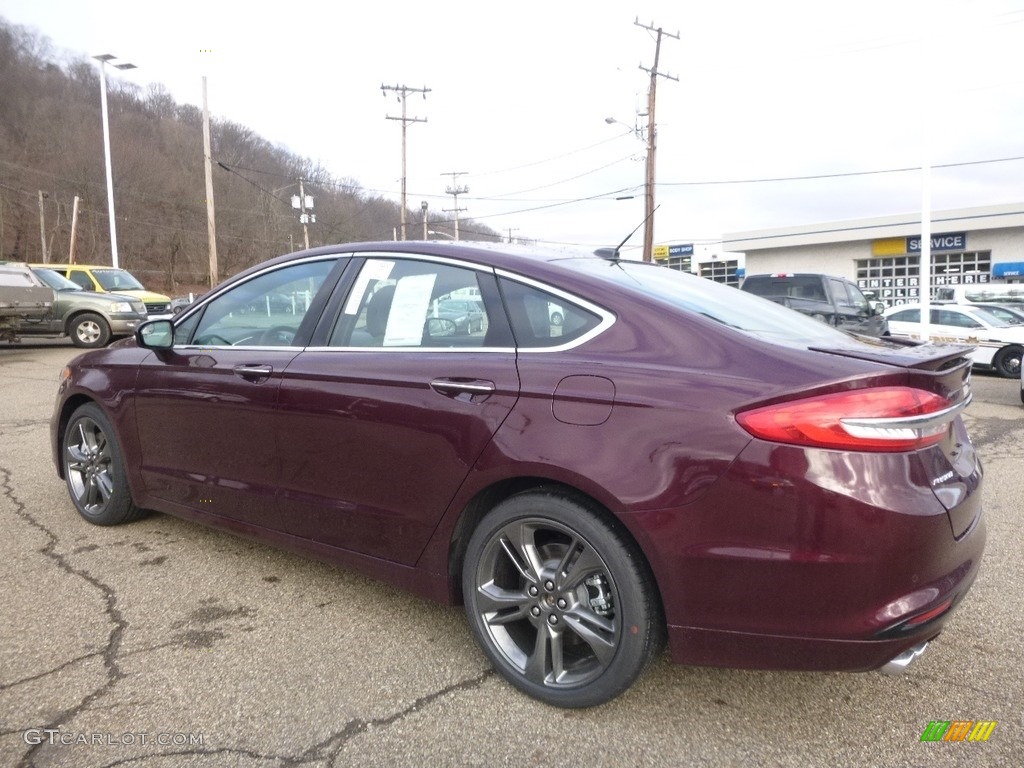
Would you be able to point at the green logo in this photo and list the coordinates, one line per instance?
(958, 730)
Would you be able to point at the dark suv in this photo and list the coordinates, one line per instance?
(833, 300)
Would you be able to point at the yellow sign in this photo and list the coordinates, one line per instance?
(890, 246)
(661, 252)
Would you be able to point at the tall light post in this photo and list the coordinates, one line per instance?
(103, 58)
(637, 131)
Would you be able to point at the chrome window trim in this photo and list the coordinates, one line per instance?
(459, 350)
(395, 256)
(209, 348)
(195, 305)
(607, 318)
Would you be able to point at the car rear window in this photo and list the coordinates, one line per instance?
(726, 305)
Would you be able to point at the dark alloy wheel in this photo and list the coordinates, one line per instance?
(562, 604)
(89, 330)
(1007, 361)
(94, 469)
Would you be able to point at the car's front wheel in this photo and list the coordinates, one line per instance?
(94, 469)
(560, 601)
(89, 330)
(1007, 361)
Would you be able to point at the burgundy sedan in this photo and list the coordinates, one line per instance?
(674, 460)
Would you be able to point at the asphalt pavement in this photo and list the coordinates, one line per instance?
(162, 643)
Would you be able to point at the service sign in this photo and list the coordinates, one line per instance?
(950, 241)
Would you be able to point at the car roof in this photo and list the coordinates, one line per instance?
(537, 262)
(77, 266)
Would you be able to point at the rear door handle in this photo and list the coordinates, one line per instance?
(253, 371)
(452, 387)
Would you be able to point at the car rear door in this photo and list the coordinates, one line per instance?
(385, 414)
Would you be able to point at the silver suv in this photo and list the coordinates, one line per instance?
(90, 319)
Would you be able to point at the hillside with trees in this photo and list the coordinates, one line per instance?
(51, 143)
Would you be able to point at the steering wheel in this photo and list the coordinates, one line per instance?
(278, 336)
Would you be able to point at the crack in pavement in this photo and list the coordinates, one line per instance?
(114, 673)
(328, 749)
(47, 673)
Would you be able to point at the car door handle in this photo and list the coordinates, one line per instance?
(253, 371)
(458, 386)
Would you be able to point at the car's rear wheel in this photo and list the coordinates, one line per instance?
(1007, 361)
(89, 330)
(561, 602)
(94, 469)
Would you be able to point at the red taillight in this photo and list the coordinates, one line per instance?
(927, 616)
(878, 419)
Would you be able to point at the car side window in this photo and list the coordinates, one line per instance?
(541, 319)
(857, 298)
(398, 302)
(80, 278)
(956, 319)
(264, 311)
(907, 316)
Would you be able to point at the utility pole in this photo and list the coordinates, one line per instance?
(301, 202)
(454, 190)
(652, 140)
(211, 224)
(403, 91)
(510, 231)
(42, 225)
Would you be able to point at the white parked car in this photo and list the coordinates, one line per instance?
(997, 344)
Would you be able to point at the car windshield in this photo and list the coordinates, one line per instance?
(117, 280)
(724, 304)
(56, 281)
(991, 318)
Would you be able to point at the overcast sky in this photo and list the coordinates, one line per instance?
(520, 92)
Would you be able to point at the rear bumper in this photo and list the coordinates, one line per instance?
(737, 650)
(813, 560)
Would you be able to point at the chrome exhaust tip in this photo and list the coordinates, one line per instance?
(900, 663)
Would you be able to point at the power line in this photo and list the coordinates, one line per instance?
(834, 175)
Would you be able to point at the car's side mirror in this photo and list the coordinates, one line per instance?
(155, 334)
(437, 327)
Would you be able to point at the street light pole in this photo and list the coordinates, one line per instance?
(103, 58)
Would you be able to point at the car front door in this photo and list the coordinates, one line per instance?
(206, 409)
(383, 419)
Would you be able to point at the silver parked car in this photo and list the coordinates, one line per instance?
(90, 319)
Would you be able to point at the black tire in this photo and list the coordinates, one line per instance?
(89, 330)
(94, 469)
(1007, 361)
(550, 589)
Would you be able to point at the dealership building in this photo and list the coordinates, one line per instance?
(883, 255)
